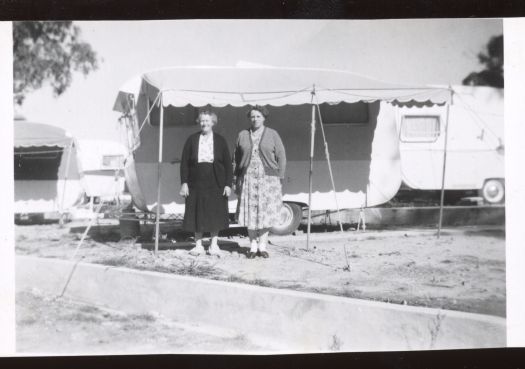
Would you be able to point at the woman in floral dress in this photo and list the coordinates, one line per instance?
(260, 163)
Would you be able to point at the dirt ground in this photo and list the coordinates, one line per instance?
(463, 270)
(59, 326)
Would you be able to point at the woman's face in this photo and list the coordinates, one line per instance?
(256, 118)
(206, 123)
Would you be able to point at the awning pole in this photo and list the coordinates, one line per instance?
(312, 141)
(159, 170)
(68, 160)
(442, 200)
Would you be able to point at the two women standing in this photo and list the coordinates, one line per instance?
(206, 175)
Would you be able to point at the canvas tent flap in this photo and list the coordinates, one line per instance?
(28, 134)
(127, 94)
(240, 86)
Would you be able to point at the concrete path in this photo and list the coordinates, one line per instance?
(283, 320)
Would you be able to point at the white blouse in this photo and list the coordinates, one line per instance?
(205, 148)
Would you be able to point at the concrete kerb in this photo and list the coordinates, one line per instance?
(283, 320)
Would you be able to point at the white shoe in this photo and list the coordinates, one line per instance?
(254, 247)
(215, 250)
(197, 250)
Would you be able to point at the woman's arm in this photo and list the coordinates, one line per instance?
(236, 156)
(280, 155)
(235, 164)
(228, 167)
(185, 162)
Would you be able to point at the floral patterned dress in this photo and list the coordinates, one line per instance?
(260, 195)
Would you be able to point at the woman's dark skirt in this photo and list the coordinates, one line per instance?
(206, 208)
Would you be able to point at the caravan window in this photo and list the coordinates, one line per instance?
(174, 116)
(419, 128)
(113, 161)
(344, 113)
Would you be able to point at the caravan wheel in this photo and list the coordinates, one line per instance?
(493, 191)
(291, 216)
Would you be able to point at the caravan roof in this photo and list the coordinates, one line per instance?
(277, 86)
(29, 134)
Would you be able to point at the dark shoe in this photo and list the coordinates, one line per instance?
(264, 254)
(251, 255)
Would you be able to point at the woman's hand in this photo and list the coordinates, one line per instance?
(184, 191)
(227, 191)
(238, 186)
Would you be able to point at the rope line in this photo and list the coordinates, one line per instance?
(77, 248)
(483, 123)
(149, 112)
(331, 175)
(38, 152)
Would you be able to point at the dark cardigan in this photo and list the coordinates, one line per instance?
(222, 164)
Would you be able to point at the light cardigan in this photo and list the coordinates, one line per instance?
(271, 151)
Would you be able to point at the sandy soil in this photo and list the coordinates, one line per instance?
(463, 270)
(60, 326)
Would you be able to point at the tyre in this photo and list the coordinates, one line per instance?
(493, 191)
(291, 216)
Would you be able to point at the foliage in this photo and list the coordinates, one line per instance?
(492, 59)
(48, 52)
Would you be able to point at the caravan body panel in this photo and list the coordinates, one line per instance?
(364, 156)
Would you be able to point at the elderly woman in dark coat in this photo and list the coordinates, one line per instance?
(260, 162)
(206, 177)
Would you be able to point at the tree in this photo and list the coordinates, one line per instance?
(492, 59)
(48, 52)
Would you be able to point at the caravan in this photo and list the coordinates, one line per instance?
(357, 158)
(102, 166)
(475, 147)
(47, 176)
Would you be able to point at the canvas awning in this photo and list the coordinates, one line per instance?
(276, 86)
(29, 134)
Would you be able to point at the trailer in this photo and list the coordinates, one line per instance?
(102, 166)
(352, 159)
(475, 148)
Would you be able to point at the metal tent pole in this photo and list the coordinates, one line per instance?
(442, 200)
(312, 141)
(159, 170)
(68, 160)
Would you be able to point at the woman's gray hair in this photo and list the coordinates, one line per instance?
(209, 112)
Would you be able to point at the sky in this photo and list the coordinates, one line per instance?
(415, 52)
